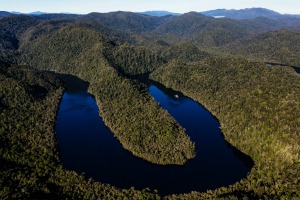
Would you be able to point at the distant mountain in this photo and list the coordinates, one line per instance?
(4, 14)
(202, 30)
(50, 16)
(159, 13)
(185, 25)
(126, 21)
(248, 13)
(37, 13)
(280, 46)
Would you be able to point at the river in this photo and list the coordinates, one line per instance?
(87, 146)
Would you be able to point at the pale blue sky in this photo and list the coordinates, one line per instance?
(182, 6)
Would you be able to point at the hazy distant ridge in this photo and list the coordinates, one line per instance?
(247, 13)
(159, 13)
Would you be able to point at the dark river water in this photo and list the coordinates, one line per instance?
(87, 146)
(296, 68)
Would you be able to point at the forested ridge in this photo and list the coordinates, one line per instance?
(218, 62)
(29, 157)
(267, 48)
(73, 50)
(258, 109)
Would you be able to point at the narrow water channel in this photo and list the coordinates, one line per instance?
(87, 146)
(296, 68)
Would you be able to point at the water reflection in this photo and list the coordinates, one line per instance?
(88, 146)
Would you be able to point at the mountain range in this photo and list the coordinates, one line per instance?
(247, 13)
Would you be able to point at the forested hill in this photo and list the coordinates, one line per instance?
(205, 31)
(127, 21)
(4, 14)
(11, 29)
(281, 46)
(194, 27)
(258, 108)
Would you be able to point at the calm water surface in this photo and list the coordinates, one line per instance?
(87, 146)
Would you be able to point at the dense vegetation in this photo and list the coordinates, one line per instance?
(204, 31)
(11, 29)
(281, 46)
(126, 21)
(132, 60)
(258, 109)
(30, 166)
(28, 145)
(127, 109)
(258, 106)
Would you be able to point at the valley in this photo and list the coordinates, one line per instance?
(218, 62)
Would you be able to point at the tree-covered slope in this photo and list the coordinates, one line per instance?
(258, 108)
(134, 117)
(4, 14)
(11, 29)
(202, 30)
(184, 52)
(187, 24)
(30, 166)
(281, 46)
(126, 21)
(16, 25)
(28, 103)
(133, 60)
(205, 31)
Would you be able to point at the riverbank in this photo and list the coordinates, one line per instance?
(257, 107)
(87, 146)
(30, 162)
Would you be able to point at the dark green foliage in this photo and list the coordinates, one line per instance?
(126, 21)
(258, 108)
(184, 25)
(205, 31)
(184, 52)
(202, 30)
(68, 48)
(132, 60)
(280, 46)
(11, 28)
(139, 123)
(28, 145)
(127, 109)
(16, 24)
(43, 28)
(29, 160)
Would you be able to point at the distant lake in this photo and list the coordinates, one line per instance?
(87, 146)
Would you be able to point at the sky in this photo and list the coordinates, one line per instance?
(180, 6)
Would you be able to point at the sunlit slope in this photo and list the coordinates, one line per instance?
(134, 117)
(258, 108)
(281, 46)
